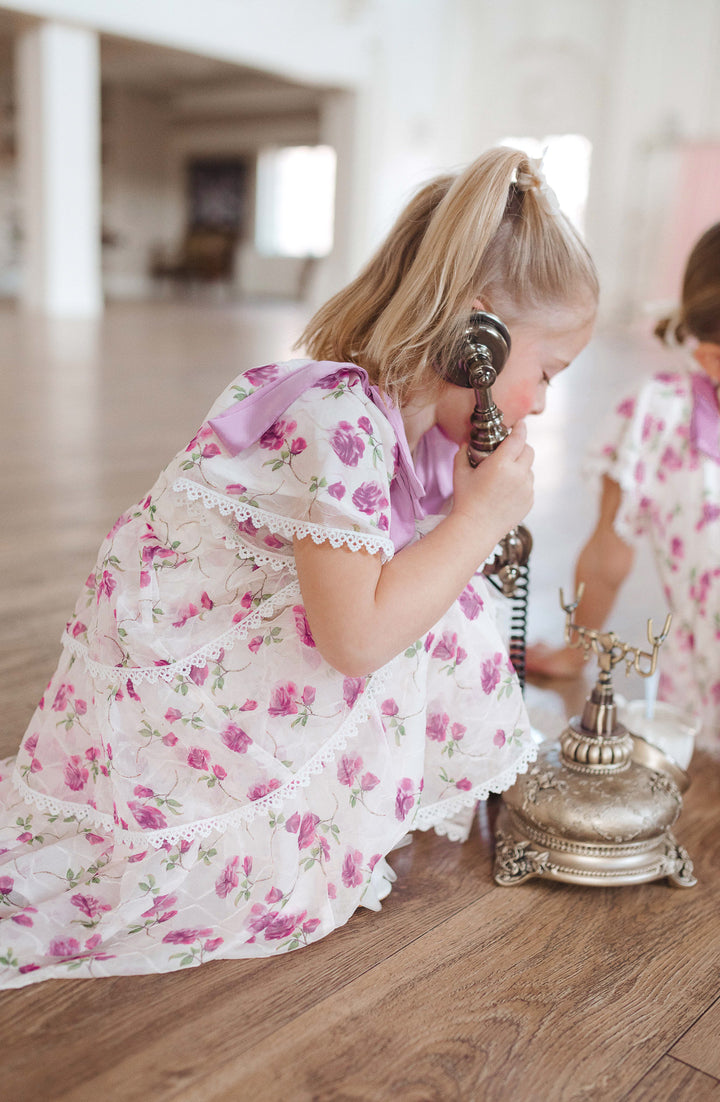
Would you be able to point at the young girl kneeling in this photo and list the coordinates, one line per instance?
(283, 660)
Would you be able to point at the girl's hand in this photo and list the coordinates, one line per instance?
(495, 496)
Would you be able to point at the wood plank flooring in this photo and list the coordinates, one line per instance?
(458, 989)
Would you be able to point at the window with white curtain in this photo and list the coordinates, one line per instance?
(295, 205)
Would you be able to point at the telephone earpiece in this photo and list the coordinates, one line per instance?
(483, 354)
(484, 351)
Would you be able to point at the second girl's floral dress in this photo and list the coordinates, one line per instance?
(197, 782)
(663, 449)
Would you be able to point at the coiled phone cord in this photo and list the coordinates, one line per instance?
(517, 643)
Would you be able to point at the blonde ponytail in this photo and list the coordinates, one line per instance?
(478, 235)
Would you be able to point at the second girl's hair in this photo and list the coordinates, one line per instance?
(699, 314)
(490, 233)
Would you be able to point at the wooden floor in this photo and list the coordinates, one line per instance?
(458, 989)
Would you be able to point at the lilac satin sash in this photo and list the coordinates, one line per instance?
(243, 423)
(705, 417)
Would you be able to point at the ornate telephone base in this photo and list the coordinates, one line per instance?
(581, 828)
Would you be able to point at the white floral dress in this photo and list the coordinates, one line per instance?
(663, 449)
(197, 782)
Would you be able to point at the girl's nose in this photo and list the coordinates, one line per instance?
(539, 403)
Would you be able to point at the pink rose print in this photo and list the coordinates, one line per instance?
(106, 585)
(247, 865)
(352, 687)
(149, 818)
(677, 547)
(23, 919)
(348, 769)
(75, 773)
(228, 879)
(89, 905)
(457, 731)
(258, 375)
(306, 834)
(470, 602)
(206, 601)
(198, 758)
(369, 498)
(235, 488)
(404, 799)
(160, 909)
(64, 947)
(210, 451)
(235, 738)
(143, 792)
(302, 627)
(130, 689)
(337, 490)
(283, 700)
(365, 424)
(199, 674)
(463, 784)
(499, 738)
(389, 707)
(255, 643)
(297, 445)
(346, 444)
(259, 790)
(281, 926)
(78, 629)
(186, 614)
(219, 772)
(62, 697)
(710, 513)
(169, 739)
(185, 937)
(437, 724)
(368, 781)
(274, 437)
(626, 408)
(446, 648)
(490, 673)
(352, 877)
(6, 885)
(172, 714)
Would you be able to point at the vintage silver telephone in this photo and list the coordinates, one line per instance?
(484, 351)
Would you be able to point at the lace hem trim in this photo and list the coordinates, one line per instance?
(202, 827)
(236, 543)
(285, 526)
(116, 675)
(443, 810)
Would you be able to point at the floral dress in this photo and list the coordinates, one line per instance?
(663, 449)
(197, 782)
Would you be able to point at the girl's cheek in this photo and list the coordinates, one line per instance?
(519, 401)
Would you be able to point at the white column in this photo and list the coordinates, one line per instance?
(58, 98)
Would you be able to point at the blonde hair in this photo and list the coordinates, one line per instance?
(699, 314)
(490, 233)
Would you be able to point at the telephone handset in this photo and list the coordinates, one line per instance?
(485, 349)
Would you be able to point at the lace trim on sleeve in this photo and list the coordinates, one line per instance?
(444, 810)
(285, 526)
(376, 685)
(117, 675)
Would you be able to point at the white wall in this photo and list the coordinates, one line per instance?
(411, 88)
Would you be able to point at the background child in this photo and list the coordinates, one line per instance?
(269, 678)
(660, 469)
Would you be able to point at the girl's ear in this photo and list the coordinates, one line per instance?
(708, 357)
